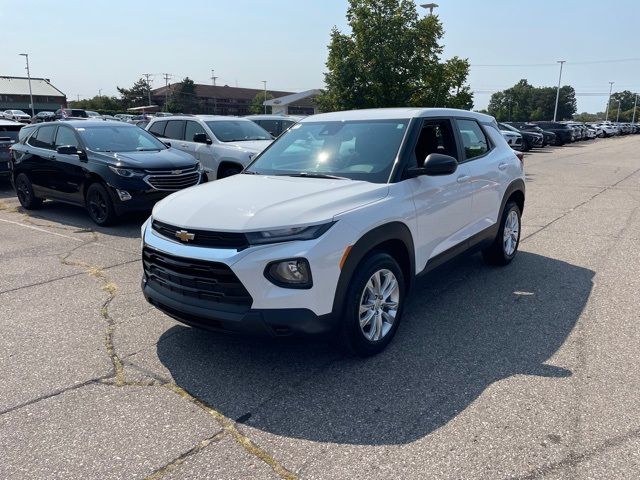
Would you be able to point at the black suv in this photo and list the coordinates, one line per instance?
(9, 131)
(64, 113)
(564, 133)
(111, 168)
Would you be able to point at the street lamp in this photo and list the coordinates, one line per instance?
(555, 112)
(618, 117)
(430, 7)
(26, 55)
(608, 101)
(265, 96)
(635, 104)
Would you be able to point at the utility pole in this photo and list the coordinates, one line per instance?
(635, 104)
(99, 92)
(265, 95)
(166, 77)
(213, 78)
(608, 101)
(26, 55)
(78, 95)
(618, 117)
(148, 76)
(555, 112)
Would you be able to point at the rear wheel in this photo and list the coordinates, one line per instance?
(505, 246)
(373, 305)
(99, 205)
(24, 190)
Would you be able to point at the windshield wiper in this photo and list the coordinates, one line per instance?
(311, 175)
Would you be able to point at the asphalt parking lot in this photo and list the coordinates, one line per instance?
(530, 371)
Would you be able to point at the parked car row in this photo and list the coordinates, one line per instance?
(524, 136)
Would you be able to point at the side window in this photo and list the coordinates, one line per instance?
(191, 129)
(473, 138)
(43, 138)
(270, 126)
(175, 129)
(436, 136)
(158, 128)
(65, 137)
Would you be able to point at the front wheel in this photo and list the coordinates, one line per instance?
(505, 245)
(99, 205)
(373, 305)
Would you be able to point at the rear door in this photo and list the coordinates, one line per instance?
(38, 161)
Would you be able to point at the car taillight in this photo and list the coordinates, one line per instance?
(520, 156)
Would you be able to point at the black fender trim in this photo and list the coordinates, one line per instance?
(367, 243)
(515, 186)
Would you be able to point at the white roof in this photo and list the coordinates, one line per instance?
(396, 114)
(289, 99)
(20, 86)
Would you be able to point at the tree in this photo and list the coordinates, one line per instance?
(183, 98)
(101, 104)
(627, 101)
(137, 95)
(391, 58)
(257, 104)
(523, 102)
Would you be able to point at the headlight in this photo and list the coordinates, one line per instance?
(288, 234)
(291, 273)
(123, 172)
(200, 168)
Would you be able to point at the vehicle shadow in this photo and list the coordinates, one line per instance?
(466, 327)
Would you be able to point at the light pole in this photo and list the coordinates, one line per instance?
(635, 104)
(618, 117)
(265, 96)
(555, 112)
(430, 7)
(608, 102)
(26, 55)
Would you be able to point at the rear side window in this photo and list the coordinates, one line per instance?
(175, 129)
(43, 138)
(157, 128)
(473, 139)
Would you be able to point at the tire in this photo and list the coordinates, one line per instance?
(229, 171)
(99, 205)
(365, 340)
(24, 191)
(504, 249)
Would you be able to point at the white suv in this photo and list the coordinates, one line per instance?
(223, 145)
(327, 229)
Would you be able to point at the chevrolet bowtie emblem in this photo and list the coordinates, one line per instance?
(176, 172)
(185, 236)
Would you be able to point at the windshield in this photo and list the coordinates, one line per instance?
(238, 130)
(9, 132)
(357, 150)
(119, 138)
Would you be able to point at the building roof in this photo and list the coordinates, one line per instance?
(20, 86)
(221, 91)
(293, 98)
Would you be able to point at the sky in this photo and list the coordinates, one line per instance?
(85, 47)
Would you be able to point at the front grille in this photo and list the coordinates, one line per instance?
(203, 238)
(171, 180)
(197, 279)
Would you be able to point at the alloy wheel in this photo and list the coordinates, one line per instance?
(511, 233)
(379, 305)
(98, 206)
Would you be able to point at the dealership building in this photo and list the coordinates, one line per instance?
(226, 100)
(14, 95)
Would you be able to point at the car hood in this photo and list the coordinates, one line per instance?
(163, 159)
(257, 202)
(255, 146)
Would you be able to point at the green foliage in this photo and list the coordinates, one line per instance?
(627, 101)
(137, 95)
(524, 102)
(391, 58)
(183, 98)
(101, 104)
(588, 117)
(257, 106)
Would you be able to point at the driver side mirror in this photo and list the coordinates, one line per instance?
(202, 138)
(434, 165)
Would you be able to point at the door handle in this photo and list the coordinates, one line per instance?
(52, 157)
(502, 166)
(463, 178)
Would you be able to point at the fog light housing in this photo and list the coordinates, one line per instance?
(124, 195)
(290, 273)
